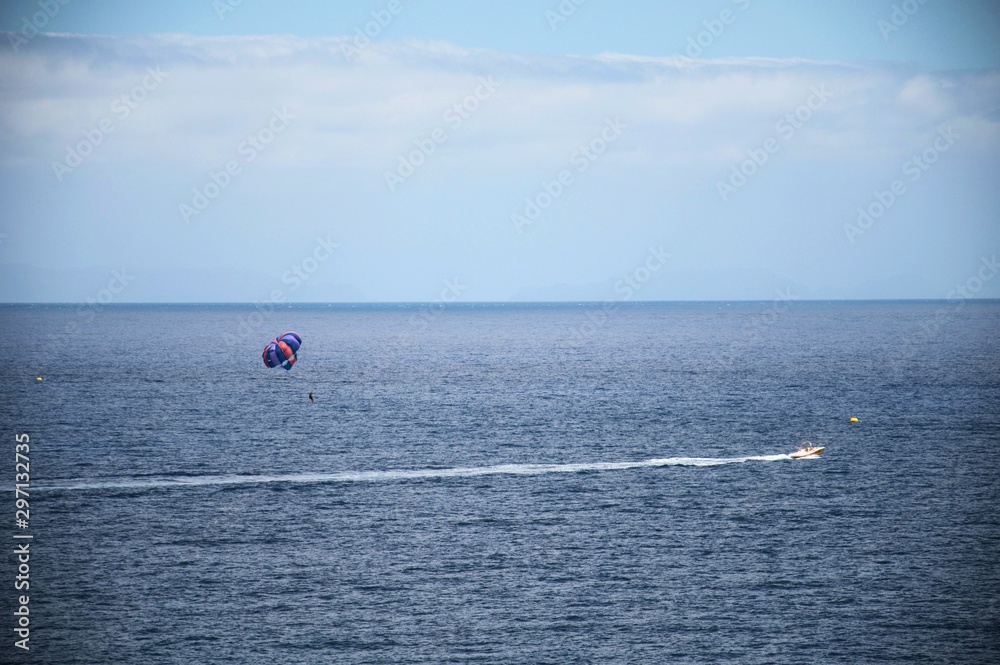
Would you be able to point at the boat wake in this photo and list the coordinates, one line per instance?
(404, 474)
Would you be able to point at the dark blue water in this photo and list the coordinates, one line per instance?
(523, 484)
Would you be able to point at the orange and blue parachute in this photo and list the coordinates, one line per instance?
(282, 351)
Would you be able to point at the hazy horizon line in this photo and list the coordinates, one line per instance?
(471, 303)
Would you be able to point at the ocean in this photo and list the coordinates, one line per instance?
(519, 483)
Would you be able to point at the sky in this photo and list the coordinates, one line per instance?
(403, 150)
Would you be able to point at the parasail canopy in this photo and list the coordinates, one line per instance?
(282, 351)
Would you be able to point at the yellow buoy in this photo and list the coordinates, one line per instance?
(855, 420)
(38, 379)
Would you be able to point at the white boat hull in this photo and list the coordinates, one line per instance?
(808, 452)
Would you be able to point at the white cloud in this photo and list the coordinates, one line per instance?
(688, 123)
(219, 87)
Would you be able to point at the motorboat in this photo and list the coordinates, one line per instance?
(807, 450)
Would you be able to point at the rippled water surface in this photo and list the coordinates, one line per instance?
(529, 484)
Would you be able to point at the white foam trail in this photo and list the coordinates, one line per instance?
(402, 474)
